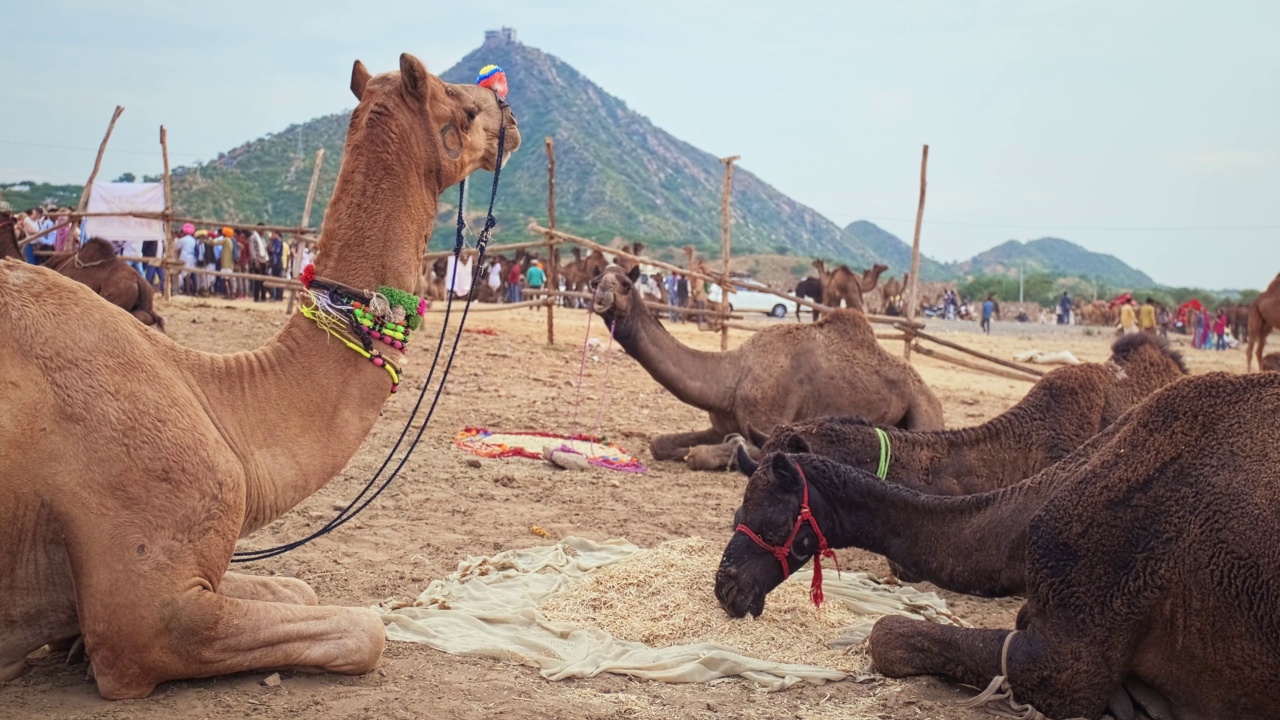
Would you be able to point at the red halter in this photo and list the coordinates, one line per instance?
(783, 551)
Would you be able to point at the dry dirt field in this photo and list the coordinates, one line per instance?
(448, 505)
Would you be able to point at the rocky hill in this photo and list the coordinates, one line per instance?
(617, 174)
(1055, 255)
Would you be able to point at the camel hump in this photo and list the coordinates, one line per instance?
(97, 250)
(1129, 346)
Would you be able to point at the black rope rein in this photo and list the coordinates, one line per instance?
(356, 506)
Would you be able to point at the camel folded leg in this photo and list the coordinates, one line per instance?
(1061, 678)
(677, 445)
(200, 634)
(287, 590)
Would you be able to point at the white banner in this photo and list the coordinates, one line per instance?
(126, 197)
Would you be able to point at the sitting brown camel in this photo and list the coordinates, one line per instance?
(1060, 412)
(1143, 555)
(165, 457)
(1264, 314)
(842, 285)
(781, 375)
(97, 265)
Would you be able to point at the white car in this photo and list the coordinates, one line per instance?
(745, 298)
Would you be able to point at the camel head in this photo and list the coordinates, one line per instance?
(448, 130)
(613, 292)
(769, 508)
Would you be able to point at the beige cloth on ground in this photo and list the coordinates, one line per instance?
(489, 608)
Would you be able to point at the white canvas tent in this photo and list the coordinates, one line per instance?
(123, 198)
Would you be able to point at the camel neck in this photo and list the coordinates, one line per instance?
(705, 380)
(296, 410)
(974, 544)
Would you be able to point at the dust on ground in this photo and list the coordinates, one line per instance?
(447, 505)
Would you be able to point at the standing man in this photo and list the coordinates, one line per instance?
(259, 258)
(535, 278)
(1128, 318)
(186, 248)
(1147, 317)
(1064, 309)
(673, 291)
(682, 296)
(275, 256)
(513, 283)
(989, 307)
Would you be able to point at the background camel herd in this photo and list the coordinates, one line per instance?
(1110, 498)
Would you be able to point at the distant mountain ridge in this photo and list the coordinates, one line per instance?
(1055, 255)
(617, 175)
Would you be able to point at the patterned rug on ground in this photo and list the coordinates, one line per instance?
(531, 444)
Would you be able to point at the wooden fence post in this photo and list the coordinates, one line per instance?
(913, 282)
(97, 163)
(168, 214)
(306, 217)
(726, 222)
(553, 252)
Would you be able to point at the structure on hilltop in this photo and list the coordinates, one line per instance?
(499, 37)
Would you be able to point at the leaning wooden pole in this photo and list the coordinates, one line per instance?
(726, 223)
(168, 213)
(306, 216)
(553, 253)
(913, 282)
(97, 163)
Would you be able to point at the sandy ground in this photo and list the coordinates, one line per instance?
(448, 505)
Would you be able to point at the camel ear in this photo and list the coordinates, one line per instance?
(634, 274)
(784, 472)
(744, 461)
(413, 75)
(359, 78)
(797, 444)
(756, 437)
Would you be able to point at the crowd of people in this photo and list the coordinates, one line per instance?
(227, 250)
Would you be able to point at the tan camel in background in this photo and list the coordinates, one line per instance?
(891, 293)
(842, 284)
(1264, 314)
(781, 375)
(97, 266)
(132, 465)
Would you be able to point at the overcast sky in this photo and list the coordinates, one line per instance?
(1144, 129)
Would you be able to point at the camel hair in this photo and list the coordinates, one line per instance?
(1142, 551)
(165, 456)
(97, 266)
(1264, 314)
(842, 284)
(1057, 415)
(781, 375)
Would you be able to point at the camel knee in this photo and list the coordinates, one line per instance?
(368, 641)
(662, 448)
(893, 645)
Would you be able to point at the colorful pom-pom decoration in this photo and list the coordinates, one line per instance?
(308, 274)
(494, 78)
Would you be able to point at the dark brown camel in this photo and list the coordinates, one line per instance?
(1060, 412)
(9, 236)
(781, 375)
(97, 265)
(1264, 314)
(810, 288)
(1143, 553)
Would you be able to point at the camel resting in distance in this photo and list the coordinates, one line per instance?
(99, 267)
(1264, 314)
(781, 375)
(842, 285)
(1057, 415)
(1144, 555)
(126, 542)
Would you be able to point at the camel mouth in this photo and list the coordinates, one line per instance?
(738, 601)
(602, 302)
